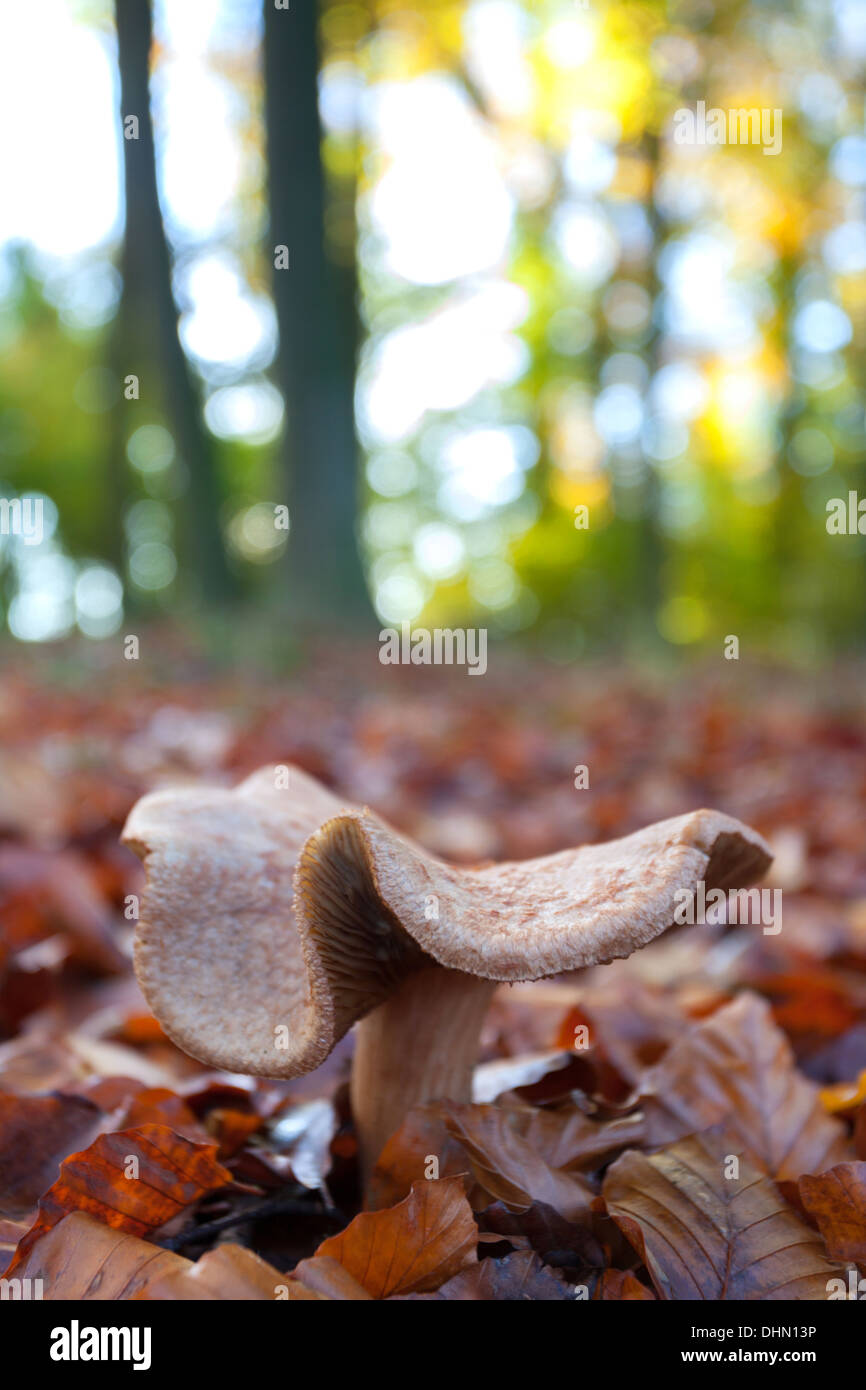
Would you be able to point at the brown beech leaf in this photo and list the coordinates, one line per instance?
(627, 1028)
(621, 1286)
(82, 1259)
(36, 1134)
(514, 1153)
(410, 1248)
(836, 1200)
(702, 1235)
(404, 1159)
(520, 1277)
(110, 1093)
(157, 1105)
(173, 1172)
(229, 1272)
(564, 1137)
(232, 1129)
(736, 1068)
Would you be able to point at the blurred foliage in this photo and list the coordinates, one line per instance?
(561, 307)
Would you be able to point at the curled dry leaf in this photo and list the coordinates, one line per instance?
(410, 1248)
(134, 1181)
(845, 1096)
(304, 1133)
(504, 1140)
(703, 1235)
(508, 1148)
(36, 1134)
(520, 1277)
(80, 1258)
(836, 1200)
(543, 1230)
(737, 1068)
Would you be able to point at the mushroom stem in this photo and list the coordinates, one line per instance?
(421, 1044)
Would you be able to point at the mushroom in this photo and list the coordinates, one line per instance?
(275, 917)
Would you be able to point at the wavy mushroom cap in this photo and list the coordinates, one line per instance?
(273, 919)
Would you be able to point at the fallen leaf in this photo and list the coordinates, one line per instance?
(63, 889)
(518, 1155)
(139, 1029)
(229, 1272)
(543, 1230)
(172, 1173)
(36, 1134)
(405, 1158)
(626, 1030)
(232, 1129)
(702, 1235)
(80, 1258)
(413, 1247)
(156, 1105)
(836, 1200)
(736, 1068)
(811, 1003)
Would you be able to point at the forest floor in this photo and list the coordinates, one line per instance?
(566, 1174)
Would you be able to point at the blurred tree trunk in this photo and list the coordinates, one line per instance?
(650, 545)
(315, 300)
(148, 309)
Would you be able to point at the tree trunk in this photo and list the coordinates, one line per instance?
(149, 303)
(315, 301)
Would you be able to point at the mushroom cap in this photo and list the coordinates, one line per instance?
(275, 918)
